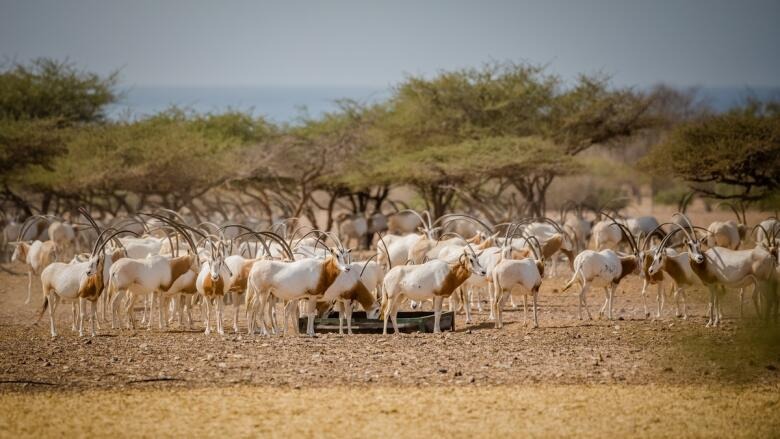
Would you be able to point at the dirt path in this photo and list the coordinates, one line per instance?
(437, 411)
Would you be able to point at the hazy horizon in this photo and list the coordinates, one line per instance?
(354, 43)
(286, 103)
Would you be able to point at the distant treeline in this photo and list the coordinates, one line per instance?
(489, 140)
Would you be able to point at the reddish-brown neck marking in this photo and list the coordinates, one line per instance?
(239, 284)
(94, 284)
(179, 266)
(627, 266)
(329, 271)
(213, 288)
(458, 274)
(646, 263)
(701, 270)
(360, 293)
(552, 245)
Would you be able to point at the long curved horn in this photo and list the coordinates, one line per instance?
(662, 245)
(209, 223)
(319, 234)
(457, 216)
(649, 236)
(112, 237)
(682, 206)
(174, 213)
(428, 215)
(536, 251)
(387, 251)
(296, 230)
(279, 240)
(626, 233)
(181, 229)
(366, 264)
(467, 243)
(422, 221)
(733, 209)
(26, 225)
(100, 238)
(261, 240)
(766, 234)
(743, 209)
(687, 221)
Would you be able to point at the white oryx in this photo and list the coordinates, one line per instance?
(719, 268)
(299, 279)
(510, 275)
(433, 280)
(79, 282)
(605, 269)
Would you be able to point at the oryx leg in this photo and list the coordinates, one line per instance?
(525, 309)
(220, 309)
(644, 297)
(93, 306)
(606, 302)
(74, 310)
(311, 311)
(347, 306)
(207, 321)
(82, 305)
(584, 302)
(52, 298)
(29, 286)
(437, 301)
(390, 313)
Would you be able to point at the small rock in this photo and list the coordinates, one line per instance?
(472, 380)
(88, 341)
(209, 357)
(222, 365)
(114, 359)
(771, 367)
(442, 370)
(66, 368)
(144, 346)
(617, 326)
(668, 369)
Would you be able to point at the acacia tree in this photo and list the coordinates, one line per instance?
(733, 155)
(41, 103)
(505, 101)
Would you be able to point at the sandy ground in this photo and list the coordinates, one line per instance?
(495, 411)
(647, 378)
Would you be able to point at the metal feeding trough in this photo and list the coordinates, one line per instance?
(408, 321)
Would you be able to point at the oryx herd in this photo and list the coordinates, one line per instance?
(163, 267)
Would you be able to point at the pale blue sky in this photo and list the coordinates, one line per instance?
(373, 43)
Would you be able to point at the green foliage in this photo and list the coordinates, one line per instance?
(28, 142)
(50, 89)
(739, 151)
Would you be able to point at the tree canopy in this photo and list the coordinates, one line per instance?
(733, 155)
